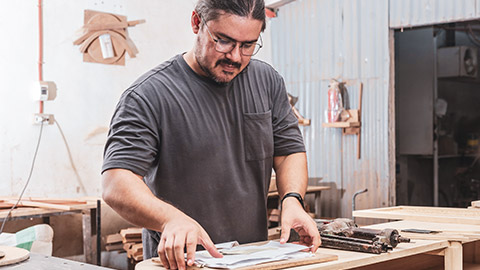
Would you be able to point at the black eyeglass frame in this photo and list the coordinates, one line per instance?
(256, 49)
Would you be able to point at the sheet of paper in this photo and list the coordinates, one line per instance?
(242, 256)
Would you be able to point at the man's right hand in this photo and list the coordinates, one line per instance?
(178, 232)
(129, 196)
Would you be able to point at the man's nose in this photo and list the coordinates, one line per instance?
(235, 55)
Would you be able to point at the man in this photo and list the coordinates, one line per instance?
(192, 143)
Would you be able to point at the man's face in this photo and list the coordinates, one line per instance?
(223, 67)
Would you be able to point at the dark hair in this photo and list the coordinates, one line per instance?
(211, 9)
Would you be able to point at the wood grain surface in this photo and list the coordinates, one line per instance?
(422, 213)
(154, 264)
(13, 255)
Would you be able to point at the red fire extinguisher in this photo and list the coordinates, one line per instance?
(335, 103)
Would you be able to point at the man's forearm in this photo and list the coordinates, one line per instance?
(128, 195)
(291, 173)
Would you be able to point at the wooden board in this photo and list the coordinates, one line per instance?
(113, 238)
(476, 204)
(153, 264)
(28, 211)
(448, 231)
(420, 213)
(13, 255)
(131, 233)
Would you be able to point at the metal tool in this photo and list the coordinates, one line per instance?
(344, 234)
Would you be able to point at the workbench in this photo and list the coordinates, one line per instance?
(460, 227)
(42, 262)
(418, 254)
(91, 223)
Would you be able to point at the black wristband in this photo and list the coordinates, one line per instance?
(293, 194)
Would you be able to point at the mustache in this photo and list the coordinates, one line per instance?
(228, 62)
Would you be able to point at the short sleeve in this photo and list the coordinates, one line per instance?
(286, 134)
(133, 138)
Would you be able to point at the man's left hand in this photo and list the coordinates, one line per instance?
(295, 217)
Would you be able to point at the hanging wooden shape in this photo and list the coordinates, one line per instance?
(99, 23)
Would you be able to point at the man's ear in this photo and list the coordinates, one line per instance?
(195, 22)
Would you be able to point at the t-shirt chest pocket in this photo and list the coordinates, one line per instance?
(258, 135)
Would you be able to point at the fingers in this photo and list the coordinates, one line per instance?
(161, 253)
(316, 241)
(178, 251)
(285, 232)
(170, 253)
(209, 246)
(191, 248)
(309, 236)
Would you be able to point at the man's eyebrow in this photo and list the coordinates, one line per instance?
(223, 36)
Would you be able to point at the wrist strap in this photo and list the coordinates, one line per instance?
(293, 194)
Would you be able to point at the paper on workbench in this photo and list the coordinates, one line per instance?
(242, 256)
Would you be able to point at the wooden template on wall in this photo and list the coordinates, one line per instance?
(105, 39)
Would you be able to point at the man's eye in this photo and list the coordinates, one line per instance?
(248, 45)
(224, 42)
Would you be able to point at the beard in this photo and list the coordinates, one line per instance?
(210, 72)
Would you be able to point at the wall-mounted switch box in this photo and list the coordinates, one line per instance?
(44, 118)
(48, 90)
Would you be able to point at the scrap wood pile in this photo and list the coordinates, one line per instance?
(128, 240)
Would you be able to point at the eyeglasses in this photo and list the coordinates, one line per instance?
(226, 46)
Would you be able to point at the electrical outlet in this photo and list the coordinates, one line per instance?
(44, 118)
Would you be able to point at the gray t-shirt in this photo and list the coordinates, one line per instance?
(206, 148)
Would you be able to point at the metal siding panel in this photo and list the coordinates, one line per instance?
(410, 13)
(477, 8)
(313, 42)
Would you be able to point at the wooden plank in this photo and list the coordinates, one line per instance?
(30, 211)
(353, 260)
(132, 240)
(428, 214)
(131, 233)
(4, 205)
(476, 204)
(439, 236)
(42, 205)
(318, 258)
(113, 238)
(55, 200)
(450, 228)
(341, 124)
(114, 247)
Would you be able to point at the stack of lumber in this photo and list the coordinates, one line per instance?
(132, 243)
(113, 242)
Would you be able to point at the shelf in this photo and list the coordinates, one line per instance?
(341, 124)
(304, 122)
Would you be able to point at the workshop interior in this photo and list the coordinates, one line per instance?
(387, 98)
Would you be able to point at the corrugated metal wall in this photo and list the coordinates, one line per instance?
(318, 40)
(408, 13)
(350, 40)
